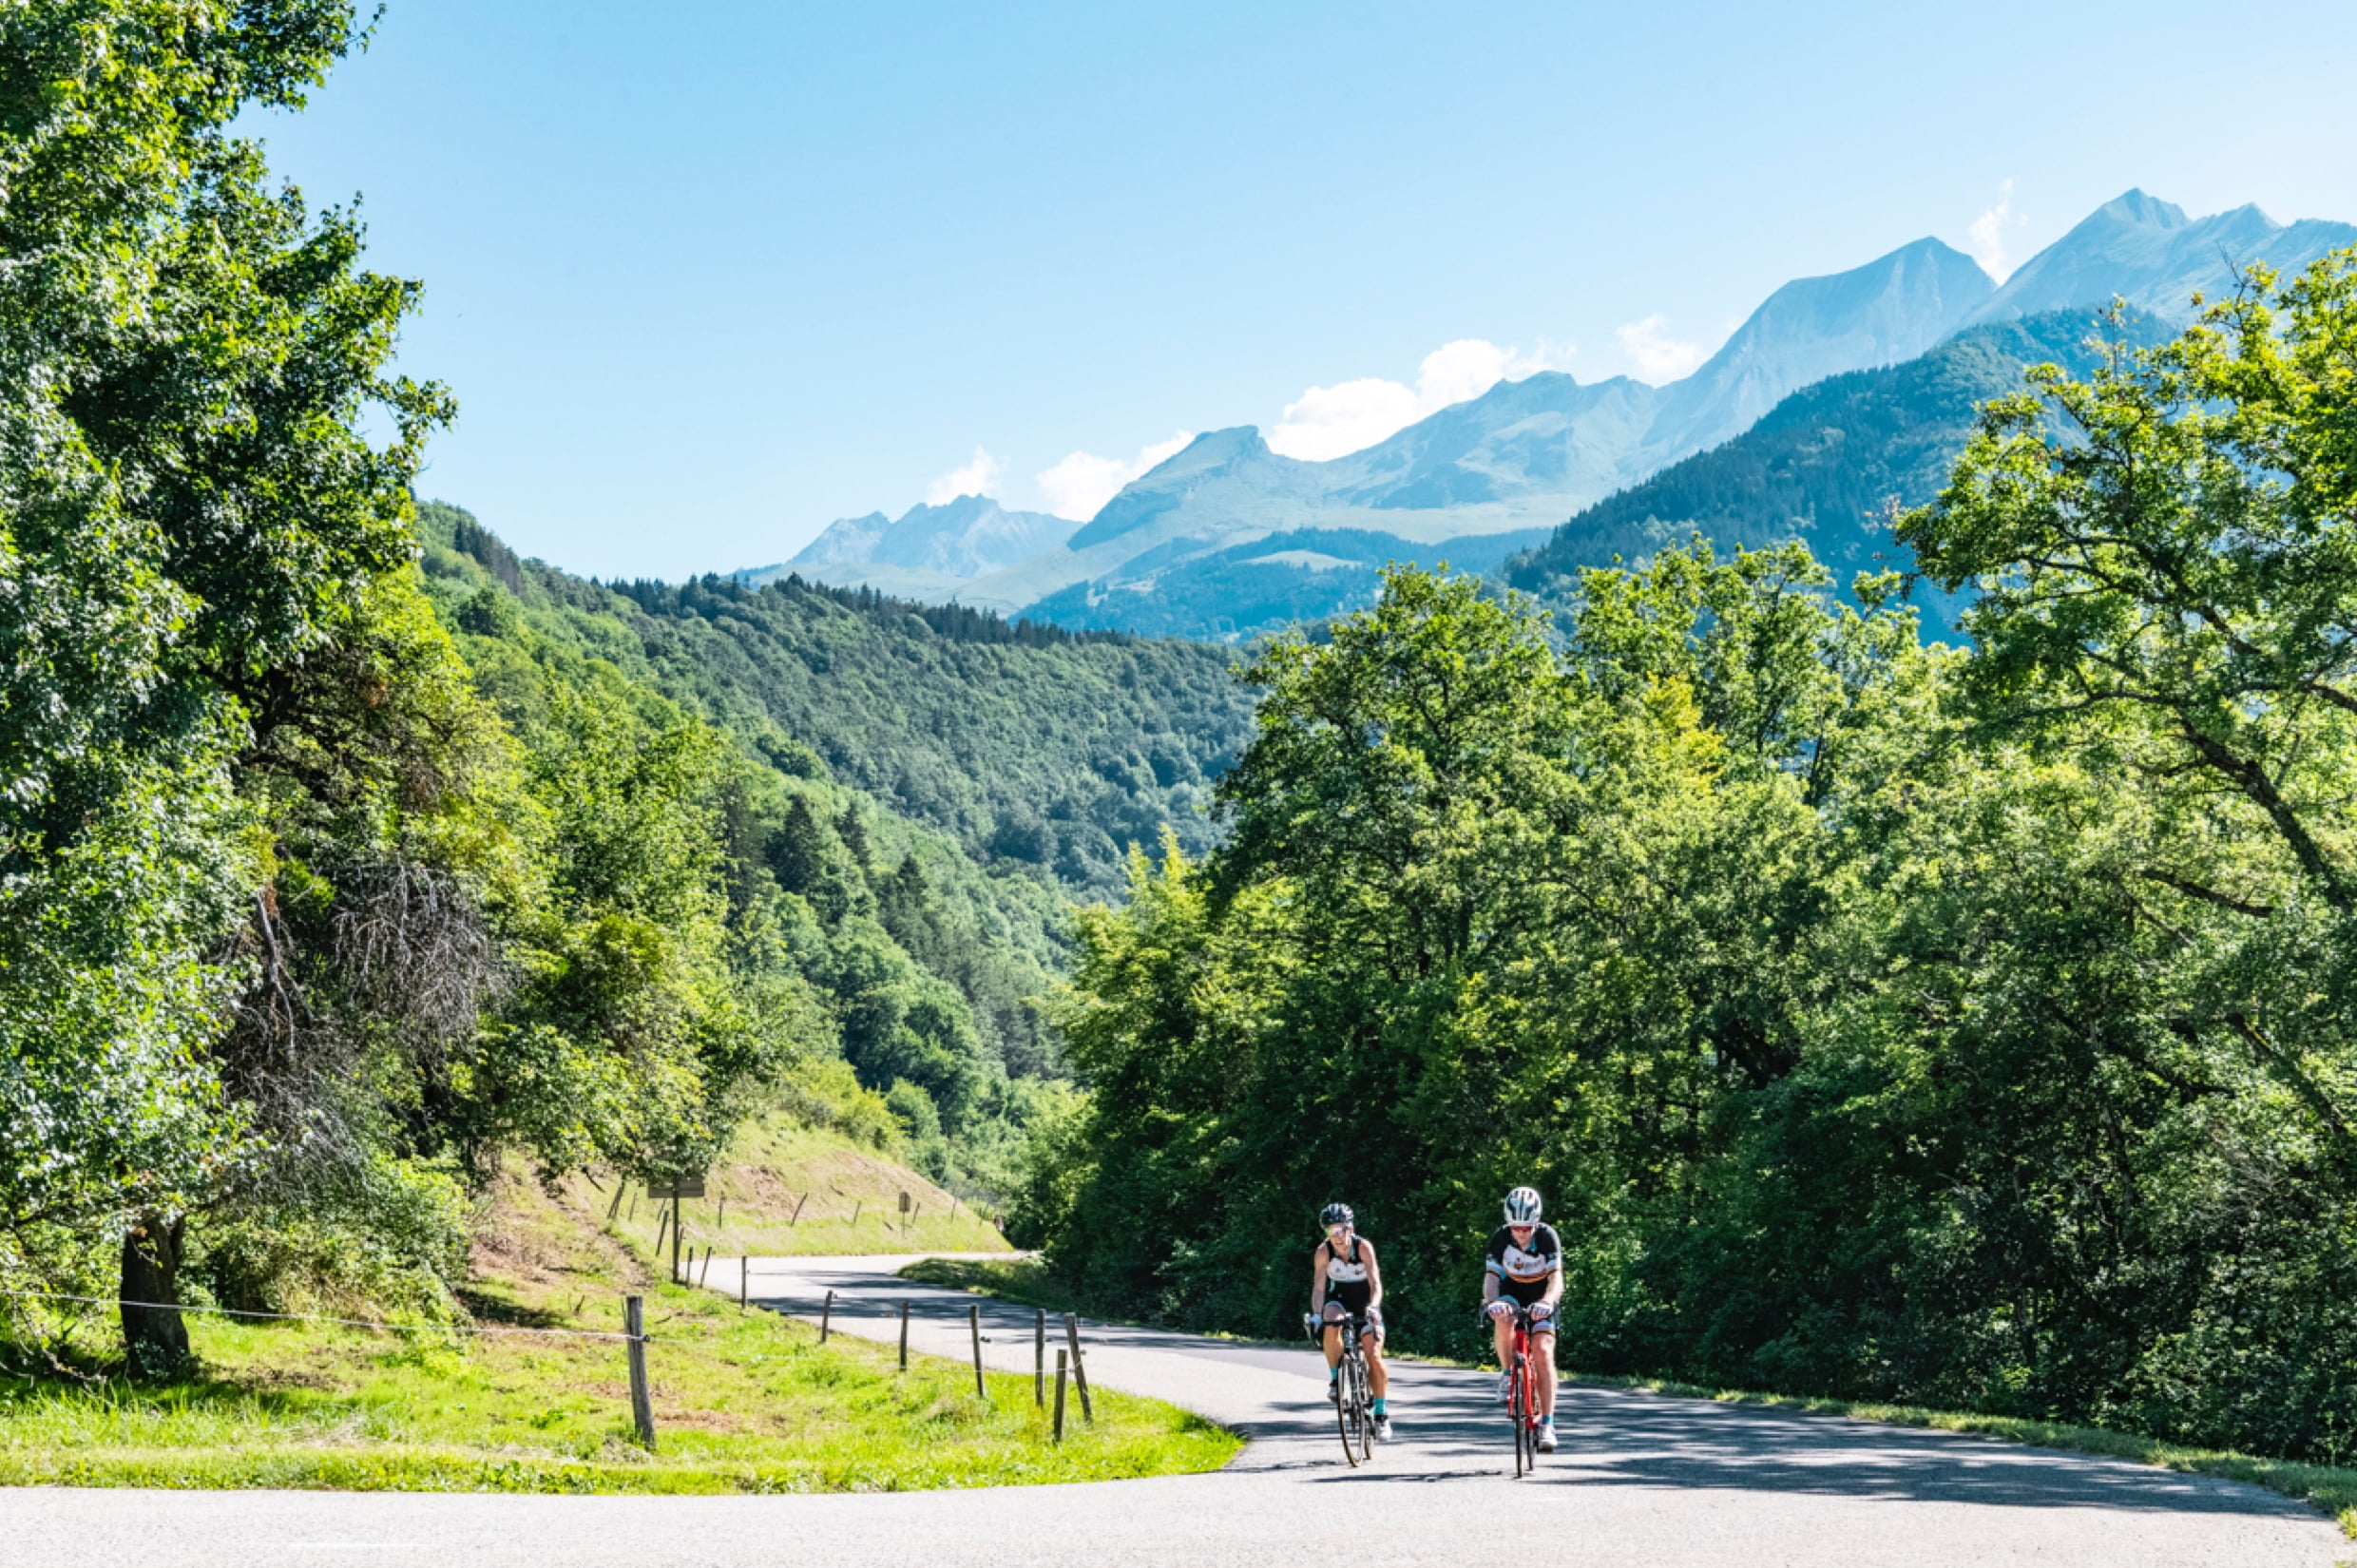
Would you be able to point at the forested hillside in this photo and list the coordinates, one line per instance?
(1043, 752)
(1256, 589)
(1828, 463)
(1972, 1029)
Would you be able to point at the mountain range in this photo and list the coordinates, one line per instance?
(1228, 538)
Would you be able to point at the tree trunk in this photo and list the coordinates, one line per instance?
(154, 1337)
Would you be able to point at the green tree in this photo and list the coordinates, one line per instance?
(188, 506)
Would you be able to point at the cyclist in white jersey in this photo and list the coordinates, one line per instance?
(1525, 1269)
(1344, 1279)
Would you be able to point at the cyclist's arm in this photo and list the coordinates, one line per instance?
(1375, 1276)
(1489, 1285)
(1555, 1287)
(1317, 1283)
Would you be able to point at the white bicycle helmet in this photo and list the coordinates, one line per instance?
(1521, 1206)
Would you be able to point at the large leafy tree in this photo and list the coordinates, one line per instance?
(189, 510)
(2166, 555)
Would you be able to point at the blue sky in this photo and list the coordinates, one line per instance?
(706, 276)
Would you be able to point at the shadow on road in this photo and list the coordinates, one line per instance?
(1613, 1437)
(1449, 1428)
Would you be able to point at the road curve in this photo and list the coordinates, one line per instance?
(1642, 1480)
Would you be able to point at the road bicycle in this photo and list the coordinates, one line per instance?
(1354, 1404)
(1522, 1401)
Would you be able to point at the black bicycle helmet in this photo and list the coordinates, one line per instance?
(1337, 1213)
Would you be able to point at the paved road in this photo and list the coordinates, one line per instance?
(1642, 1480)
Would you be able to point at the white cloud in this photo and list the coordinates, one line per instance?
(979, 477)
(1328, 421)
(1654, 353)
(1987, 242)
(1331, 421)
(1083, 482)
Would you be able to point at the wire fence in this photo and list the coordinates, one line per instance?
(317, 1317)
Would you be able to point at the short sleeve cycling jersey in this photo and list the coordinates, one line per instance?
(1523, 1269)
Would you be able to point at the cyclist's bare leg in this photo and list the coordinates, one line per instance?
(1333, 1335)
(1542, 1352)
(1502, 1329)
(1378, 1377)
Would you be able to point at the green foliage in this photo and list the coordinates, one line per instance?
(1961, 1030)
(840, 926)
(190, 514)
(305, 920)
(1042, 754)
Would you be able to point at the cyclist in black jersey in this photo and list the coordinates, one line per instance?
(1525, 1268)
(1344, 1278)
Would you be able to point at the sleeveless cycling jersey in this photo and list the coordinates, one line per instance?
(1345, 1278)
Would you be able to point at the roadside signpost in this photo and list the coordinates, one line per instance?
(684, 1187)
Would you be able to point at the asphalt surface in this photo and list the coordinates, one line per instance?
(1640, 1480)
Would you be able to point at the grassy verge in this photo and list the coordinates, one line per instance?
(2329, 1487)
(743, 1401)
(1017, 1279)
(784, 1190)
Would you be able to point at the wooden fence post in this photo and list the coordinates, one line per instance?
(703, 1275)
(798, 1211)
(1079, 1373)
(904, 1336)
(744, 1279)
(1039, 1360)
(973, 1322)
(857, 1205)
(675, 1228)
(1060, 1396)
(824, 1314)
(641, 1403)
(663, 1228)
(614, 1208)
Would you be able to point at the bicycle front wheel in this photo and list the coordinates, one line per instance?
(1348, 1413)
(1518, 1411)
(1366, 1410)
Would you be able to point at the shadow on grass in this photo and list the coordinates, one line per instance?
(488, 1307)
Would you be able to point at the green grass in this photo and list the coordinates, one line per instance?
(848, 1199)
(2331, 1488)
(743, 1401)
(1018, 1279)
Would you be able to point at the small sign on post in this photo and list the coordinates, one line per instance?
(904, 1202)
(684, 1187)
